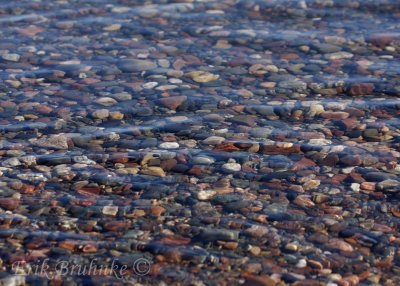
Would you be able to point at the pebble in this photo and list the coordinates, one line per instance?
(392, 186)
(339, 244)
(203, 160)
(54, 141)
(339, 55)
(11, 57)
(234, 167)
(302, 263)
(110, 210)
(202, 76)
(135, 65)
(169, 145)
(106, 101)
(213, 140)
(355, 187)
(150, 85)
(113, 27)
(9, 203)
(173, 102)
(205, 195)
(101, 113)
(214, 234)
(154, 171)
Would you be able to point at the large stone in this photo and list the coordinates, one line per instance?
(392, 186)
(379, 176)
(54, 141)
(383, 39)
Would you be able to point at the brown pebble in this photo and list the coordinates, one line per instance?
(9, 204)
(173, 102)
(361, 89)
(340, 244)
(157, 210)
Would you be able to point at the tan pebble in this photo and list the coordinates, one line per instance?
(14, 83)
(154, 171)
(291, 247)
(113, 27)
(116, 115)
(110, 210)
(312, 184)
(202, 76)
(101, 113)
(255, 250)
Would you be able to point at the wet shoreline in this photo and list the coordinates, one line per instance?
(200, 142)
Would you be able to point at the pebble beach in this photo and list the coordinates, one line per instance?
(202, 143)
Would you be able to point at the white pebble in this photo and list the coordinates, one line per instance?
(301, 264)
(355, 187)
(169, 145)
(235, 167)
(150, 85)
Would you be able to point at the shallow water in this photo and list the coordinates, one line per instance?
(200, 142)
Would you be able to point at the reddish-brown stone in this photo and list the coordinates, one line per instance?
(361, 89)
(9, 204)
(173, 102)
(157, 210)
(383, 39)
(116, 225)
(226, 146)
(274, 149)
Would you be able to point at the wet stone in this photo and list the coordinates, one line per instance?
(135, 65)
(214, 234)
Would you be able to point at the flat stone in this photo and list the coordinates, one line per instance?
(173, 102)
(54, 141)
(9, 203)
(11, 57)
(110, 210)
(203, 160)
(379, 176)
(202, 76)
(391, 186)
(214, 234)
(112, 27)
(169, 145)
(383, 39)
(340, 244)
(101, 113)
(106, 101)
(134, 65)
(154, 171)
(336, 115)
(361, 89)
(339, 56)
(213, 140)
(11, 162)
